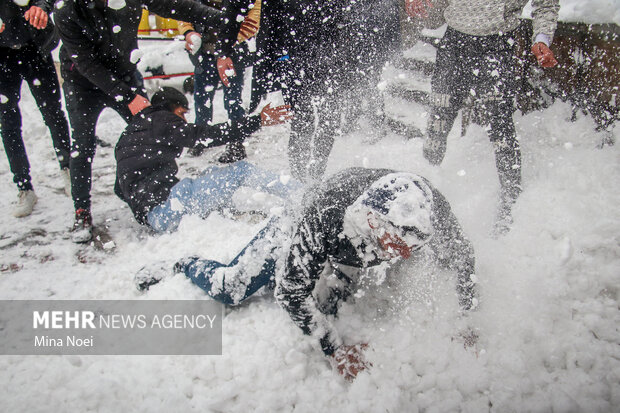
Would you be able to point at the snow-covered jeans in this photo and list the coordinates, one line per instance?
(213, 189)
(481, 66)
(253, 268)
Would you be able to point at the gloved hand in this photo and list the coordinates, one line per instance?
(544, 55)
(417, 8)
(274, 116)
(193, 41)
(349, 360)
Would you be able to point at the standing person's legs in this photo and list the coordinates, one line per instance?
(11, 119)
(449, 85)
(206, 79)
(302, 131)
(45, 88)
(329, 118)
(84, 107)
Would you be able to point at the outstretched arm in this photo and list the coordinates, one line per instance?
(454, 251)
(304, 264)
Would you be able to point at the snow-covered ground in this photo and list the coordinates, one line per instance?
(550, 289)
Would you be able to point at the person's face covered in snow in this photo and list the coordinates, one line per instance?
(398, 211)
(393, 240)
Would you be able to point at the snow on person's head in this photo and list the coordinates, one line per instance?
(403, 201)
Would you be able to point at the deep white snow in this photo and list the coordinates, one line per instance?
(549, 290)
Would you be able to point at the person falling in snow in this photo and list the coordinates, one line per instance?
(146, 168)
(357, 219)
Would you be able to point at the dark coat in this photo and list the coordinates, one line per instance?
(97, 41)
(18, 31)
(319, 241)
(147, 150)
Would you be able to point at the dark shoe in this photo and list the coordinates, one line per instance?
(234, 152)
(197, 150)
(150, 275)
(82, 227)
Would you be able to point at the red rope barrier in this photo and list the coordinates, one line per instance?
(168, 76)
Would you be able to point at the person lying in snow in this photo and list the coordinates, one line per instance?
(146, 167)
(356, 219)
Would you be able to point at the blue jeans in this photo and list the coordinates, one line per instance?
(212, 190)
(253, 268)
(206, 79)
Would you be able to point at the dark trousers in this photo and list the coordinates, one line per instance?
(84, 106)
(28, 64)
(484, 65)
(206, 79)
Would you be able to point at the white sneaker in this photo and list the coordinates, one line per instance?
(25, 203)
(66, 181)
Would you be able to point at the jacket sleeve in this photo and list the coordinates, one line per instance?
(187, 11)
(545, 17)
(232, 16)
(187, 134)
(454, 251)
(185, 27)
(83, 53)
(46, 5)
(304, 264)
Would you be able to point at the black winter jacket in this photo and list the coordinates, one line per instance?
(147, 150)
(319, 241)
(18, 31)
(98, 41)
(318, 35)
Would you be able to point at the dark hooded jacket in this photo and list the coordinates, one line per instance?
(147, 150)
(98, 41)
(18, 32)
(319, 241)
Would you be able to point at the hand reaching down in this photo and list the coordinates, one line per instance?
(37, 17)
(350, 360)
(544, 55)
(274, 116)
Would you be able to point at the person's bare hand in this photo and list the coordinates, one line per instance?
(226, 69)
(193, 41)
(138, 104)
(544, 55)
(417, 9)
(350, 360)
(274, 116)
(37, 17)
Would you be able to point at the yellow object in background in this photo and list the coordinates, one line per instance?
(144, 28)
(167, 27)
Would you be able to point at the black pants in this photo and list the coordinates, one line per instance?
(28, 64)
(84, 106)
(484, 66)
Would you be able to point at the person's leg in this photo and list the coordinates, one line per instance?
(84, 107)
(232, 94)
(448, 87)
(206, 79)
(499, 101)
(45, 88)
(329, 119)
(302, 131)
(10, 118)
(253, 268)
